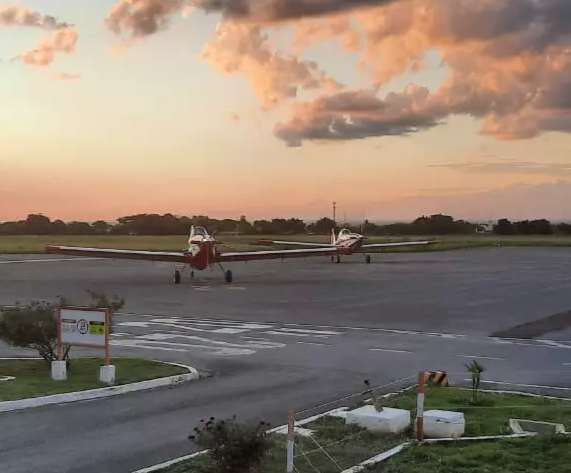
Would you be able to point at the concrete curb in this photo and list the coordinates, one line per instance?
(99, 393)
(377, 458)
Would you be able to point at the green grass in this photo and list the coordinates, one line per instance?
(37, 243)
(350, 445)
(533, 455)
(491, 414)
(33, 376)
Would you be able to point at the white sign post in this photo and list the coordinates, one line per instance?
(85, 327)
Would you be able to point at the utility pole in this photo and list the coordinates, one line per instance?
(290, 440)
(334, 213)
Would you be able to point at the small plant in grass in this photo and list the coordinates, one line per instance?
(233, 447)
(475, 369)
(373, 394)
(34, 326)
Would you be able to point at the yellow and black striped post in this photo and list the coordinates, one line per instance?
(437, 378)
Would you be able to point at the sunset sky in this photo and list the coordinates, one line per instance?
(392, 108)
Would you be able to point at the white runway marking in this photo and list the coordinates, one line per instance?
(390, 350)
(482, 357)
(314, 343)
(6, 378)
(184, 334)
(539, 343)
(299, 330)
(277, 332)
(46, 260)
(524, 385)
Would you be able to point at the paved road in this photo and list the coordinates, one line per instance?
(286, 335)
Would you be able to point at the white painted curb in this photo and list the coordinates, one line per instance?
(377, 458)
(480, 438)
(8, 406)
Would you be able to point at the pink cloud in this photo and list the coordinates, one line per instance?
(60, 41)
(275, 77)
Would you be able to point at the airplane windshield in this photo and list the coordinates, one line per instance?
(199, 231)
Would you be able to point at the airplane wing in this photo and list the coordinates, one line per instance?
(395, 244)
(274, 254)
(175, 257)
(294, 243)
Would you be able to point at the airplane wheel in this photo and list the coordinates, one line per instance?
(338, 259)
(228, 276)
(177, 277)
(368, 259)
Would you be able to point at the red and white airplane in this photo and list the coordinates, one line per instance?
(202, 252)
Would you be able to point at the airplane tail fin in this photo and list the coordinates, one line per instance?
(190, 235)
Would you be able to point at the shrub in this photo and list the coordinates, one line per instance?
(233, 447)
(34, 326)
(31, 326)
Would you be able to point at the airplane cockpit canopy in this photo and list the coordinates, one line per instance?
(198, 234)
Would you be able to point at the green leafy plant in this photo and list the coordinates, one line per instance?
(371, 391)
(233, 447)
(475, 369)
(31, 326)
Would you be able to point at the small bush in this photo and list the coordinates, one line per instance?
(233, 447)
(34, 326)
(31, 326)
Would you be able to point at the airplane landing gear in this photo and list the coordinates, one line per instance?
(192, 275)
(368, 259)
(177, 276)
(338, 259)
(227, 274)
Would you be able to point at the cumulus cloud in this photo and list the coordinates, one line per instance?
(62, 37)
(60, 41)
(360, 114)
(19, 16)
(509, 63)
(278, 10)
(244, 48)
(140, 18)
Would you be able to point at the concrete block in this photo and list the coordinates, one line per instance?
(389, 420)
(443, 424)
(59, 370)
(107, 374)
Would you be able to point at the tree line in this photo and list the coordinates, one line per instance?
(169, 224)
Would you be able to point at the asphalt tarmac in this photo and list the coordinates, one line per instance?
(289, 334)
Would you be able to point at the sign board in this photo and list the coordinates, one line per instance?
(84, 327)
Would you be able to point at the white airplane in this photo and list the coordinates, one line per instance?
(203, 253)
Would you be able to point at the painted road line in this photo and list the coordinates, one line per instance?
(321, 332)
(47, 260)
(566, 364)
(276, 332)
(524, 385)
(389, 350)
(314, 343)
(482, 357)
